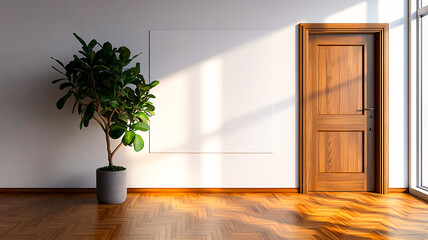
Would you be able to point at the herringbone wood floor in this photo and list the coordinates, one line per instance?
(214, 216)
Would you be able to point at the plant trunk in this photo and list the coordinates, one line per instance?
(110, 156)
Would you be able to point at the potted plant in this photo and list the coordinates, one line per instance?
(117, 97)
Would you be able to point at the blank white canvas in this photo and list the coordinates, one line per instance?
(215, 93)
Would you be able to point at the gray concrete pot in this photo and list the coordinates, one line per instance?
(111, 186)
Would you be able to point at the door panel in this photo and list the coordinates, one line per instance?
(341, 85)
(340, 152)
(340, 88)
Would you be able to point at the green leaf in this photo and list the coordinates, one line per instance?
(129, 91)
(136, 69)
(123, 117)
(77, 58)
(79, 108)
(121, 123)
(141, 126)
(150, 112)
(107, 46)
(116, 131)
(149, 107)
(102, 66)
(80, 60)
(81, 123)
(80, 40)
(80, 69)
(58, 80)
(91, 56)
(86, 49)
(64, 85)
(83, 53)
(114, 103)
(143, 87)
(56, 69)
(124, 53)
(154, 83)
(62, 101)
(136, 56)
(85, 122)
(74, 106)
(59, 62)
(141, 77)
(103, 98)
(128, 139)
(88, 114)
(138, 143)
(92, 43)
(143, 117)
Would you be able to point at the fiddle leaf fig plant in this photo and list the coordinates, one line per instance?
(104, 88)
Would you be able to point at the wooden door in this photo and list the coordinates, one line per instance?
(342, 113)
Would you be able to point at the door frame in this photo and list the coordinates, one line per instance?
(380, 31)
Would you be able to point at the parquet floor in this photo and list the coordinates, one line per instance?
(214, 216)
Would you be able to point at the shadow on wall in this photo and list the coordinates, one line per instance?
(182, 77)
(42, 138)
(59, 130)
(203, 96)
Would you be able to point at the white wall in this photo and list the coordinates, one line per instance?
(43, 147)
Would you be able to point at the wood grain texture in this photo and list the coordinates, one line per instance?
(340, 152)
(214, 216)
(379, 145)
(340, 81)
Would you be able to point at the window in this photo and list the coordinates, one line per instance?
(418, 98)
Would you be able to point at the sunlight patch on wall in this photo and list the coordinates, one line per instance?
(211, 103)
(215, 93)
